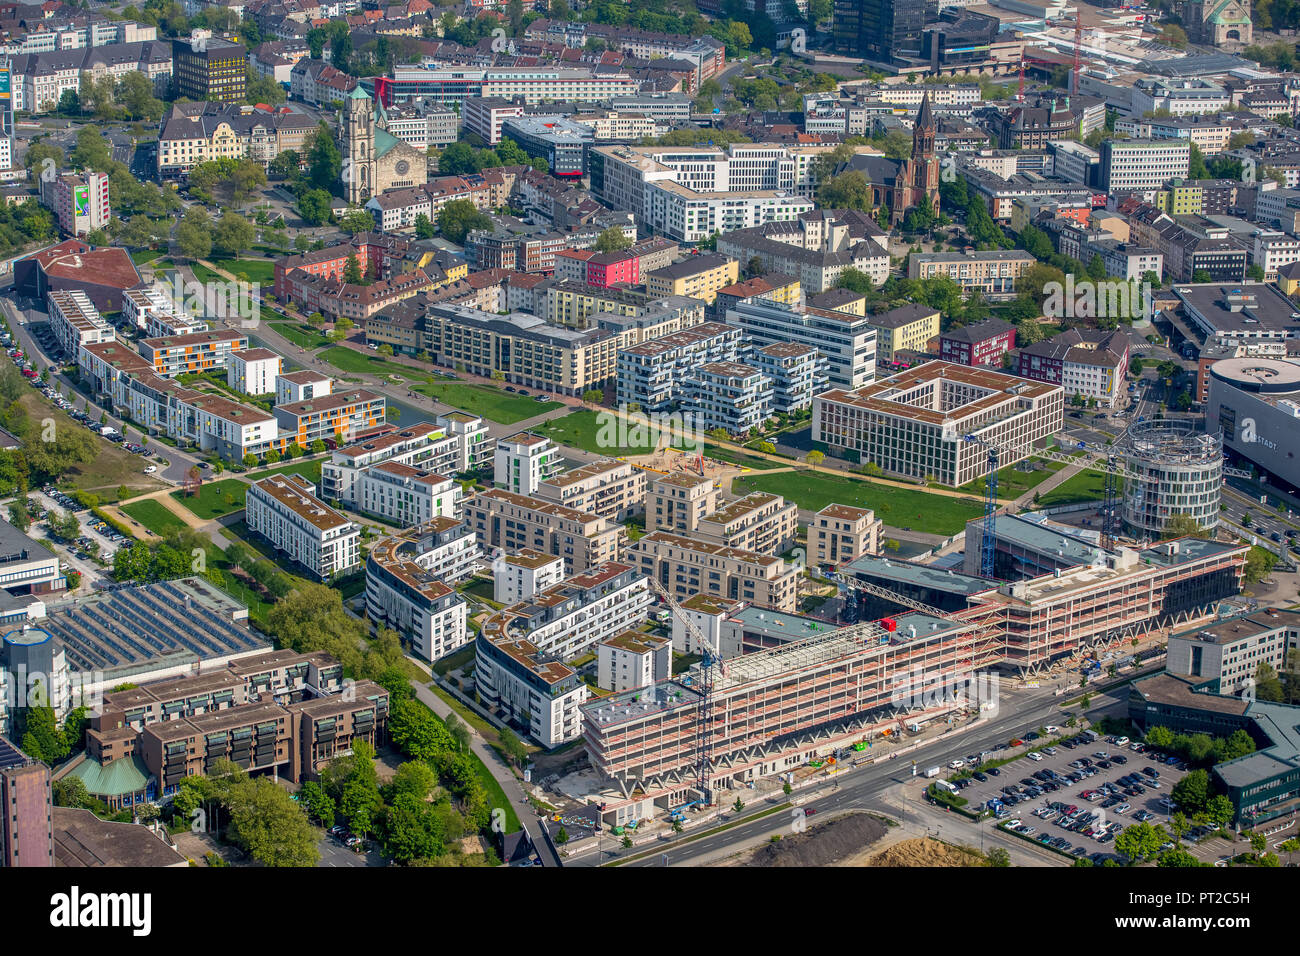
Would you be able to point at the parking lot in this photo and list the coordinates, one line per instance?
(1077, 795)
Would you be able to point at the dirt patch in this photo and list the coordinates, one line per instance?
(924, 852)
(823, 845)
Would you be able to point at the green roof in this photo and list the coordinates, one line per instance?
(358, 93)
(115, 779)
(384, 142)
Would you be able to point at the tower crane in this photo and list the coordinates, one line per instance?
(712, 656)
(1110, 509)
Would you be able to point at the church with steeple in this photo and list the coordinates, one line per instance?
(374, 160)
(900, 184)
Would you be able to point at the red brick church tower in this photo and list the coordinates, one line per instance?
(919, 175)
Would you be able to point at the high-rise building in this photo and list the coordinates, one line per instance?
(887, 32)
(26, 831)
(209, 68)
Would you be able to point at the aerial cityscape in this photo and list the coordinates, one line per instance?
(574, 434)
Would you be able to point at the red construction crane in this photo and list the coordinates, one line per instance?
(1078, 44)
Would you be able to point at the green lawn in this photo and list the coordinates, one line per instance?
(300, 334)
(1012, 483)
(898, 507)
(738, 458)
(141, 256)
(349, 360)
(494, 404)
(257, 270)
(308, 469)
(1085, 486)
(211, 501)
(582, 429)
(154, 516)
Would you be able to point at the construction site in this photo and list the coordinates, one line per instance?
(727, 722)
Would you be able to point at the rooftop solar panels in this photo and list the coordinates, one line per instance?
(171, 621)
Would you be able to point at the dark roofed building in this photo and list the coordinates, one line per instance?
(983, 343)
(103, 273)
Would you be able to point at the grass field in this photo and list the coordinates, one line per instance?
(582, 429)
(738, 458)
(897, 507)
(349, 360)
(491, 403)
(308, 469)
(141, 256)
(154, 516)
(256, 269)
(211, 501)
(112, 466)
(1085, 486)
(1012, 483)
(300, 334)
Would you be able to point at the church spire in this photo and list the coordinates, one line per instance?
(924, 118)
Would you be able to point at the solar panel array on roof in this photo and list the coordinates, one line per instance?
(10, 756)
(133, 626)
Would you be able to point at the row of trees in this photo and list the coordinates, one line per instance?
(462, 159)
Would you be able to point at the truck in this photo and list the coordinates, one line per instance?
(934, 771)
(106, 430)
(1090, 735)
(946, 786)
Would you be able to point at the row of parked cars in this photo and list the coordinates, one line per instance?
(349, 840)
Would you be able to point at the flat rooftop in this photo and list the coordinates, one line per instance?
(134, 630)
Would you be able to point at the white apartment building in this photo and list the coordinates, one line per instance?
(524, 461)
(728, 395)
(1272, 251)
(651, 373)
(514, 522)
(428, 447)
(300, 386)
(1142, 163)
(408, 578)
(686, 215)
(631, 660)
(253, 371)
(686, 566)
(519, 653)
(610, 488)
(485, 116)
(156, 313)
(80, 203)
(75, 321)
(847, 341)
(284, 509)
(406, 495)
(517, 577)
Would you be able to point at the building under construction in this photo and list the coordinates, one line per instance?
(772, 710)
(1171, 468)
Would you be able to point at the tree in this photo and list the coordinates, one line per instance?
(424, 228)
(814, 458)
(352, 270)
(612, 239)
(356, 220)
(1139, 842)
(42, 739)
(1267, 685)
(739, 805)
(1192, 793)
(999, 857)
(1177, 857)
(593, 396)
(318, 804)
(458, 217)
(1179, 526)
(314, 206)
(1174, 35)
(268, 824)
(234, 234)
(194, 233)
(512, 746)
(1259, 563)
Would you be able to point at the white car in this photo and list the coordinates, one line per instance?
(1052, 728)
(150, 469)
(1036, 757)
(956, 764)
(1123, 808)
